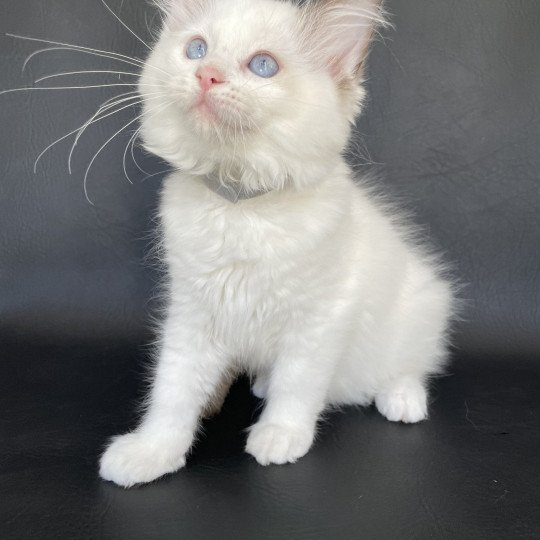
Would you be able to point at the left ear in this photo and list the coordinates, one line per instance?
(338, 33)
(179, 12)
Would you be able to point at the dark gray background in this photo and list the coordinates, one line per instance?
(452, 124)
(452, 127)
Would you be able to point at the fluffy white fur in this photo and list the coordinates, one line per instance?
(314, 288)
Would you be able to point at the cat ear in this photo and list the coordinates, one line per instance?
(338, 33)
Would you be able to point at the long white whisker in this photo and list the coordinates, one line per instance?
(124, 157)
(74, 49)
(29, 89)
(55, 75)
(83, 72)
(110, 100)
(73, 46)
(105, 106)
(169, 170)
(65, 137)
(81, 48)
(125, 25)
(94, 118)
(129, 145)
(137, 133)
(97, 118)
(85, 181)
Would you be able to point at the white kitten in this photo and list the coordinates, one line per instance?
(279, 264)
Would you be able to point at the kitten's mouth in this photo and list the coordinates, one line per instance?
(205, 107)
(219, 111)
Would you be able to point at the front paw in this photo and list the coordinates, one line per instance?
(136, 458)
(276, 443)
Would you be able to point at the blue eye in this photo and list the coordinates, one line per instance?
(197, 49)
(263, 65)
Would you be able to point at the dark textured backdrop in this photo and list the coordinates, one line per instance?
(453, 128)
(452, 120)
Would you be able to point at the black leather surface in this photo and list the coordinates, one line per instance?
(454, 120)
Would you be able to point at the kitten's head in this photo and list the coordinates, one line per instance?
(261, 91)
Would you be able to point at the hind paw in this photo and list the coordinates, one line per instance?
(404, 400)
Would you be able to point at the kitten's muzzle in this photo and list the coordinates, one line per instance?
(209, 76)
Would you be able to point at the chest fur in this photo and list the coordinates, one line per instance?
(253, 268)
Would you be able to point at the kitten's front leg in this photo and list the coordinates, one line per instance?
(295, 397)
(188, 373)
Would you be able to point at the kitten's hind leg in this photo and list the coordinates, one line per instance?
(403, 400)
(260, 387)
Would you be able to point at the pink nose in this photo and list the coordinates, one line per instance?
(209, 76)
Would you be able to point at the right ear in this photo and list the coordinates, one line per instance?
(338, 33)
